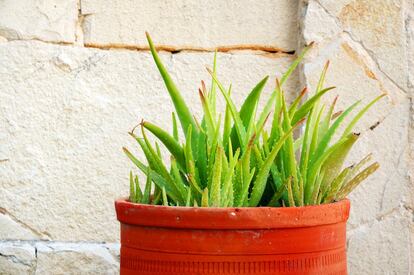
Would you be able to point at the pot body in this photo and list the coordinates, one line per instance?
(264, 240)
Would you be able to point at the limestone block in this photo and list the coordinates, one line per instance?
(410, 43)
(53, 21)
(192, 24)
(379, 27)
(17, 258)
(381, 247)
(82, 259)
(65, 116)
(356, 77)
(12, 230)
(318, 25)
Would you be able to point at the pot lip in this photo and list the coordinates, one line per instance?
(231, 217)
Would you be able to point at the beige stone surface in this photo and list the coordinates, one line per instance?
(65, 111)
(380, 27)
(45, 257)
(17, 258)
(381, 247)
(409, 20)
(367, 59)
(318, 25)
(409, 13)
(75, 259)
(355, 76)
(11, 229)
(65, 114)
(192, 24)
(53, 20)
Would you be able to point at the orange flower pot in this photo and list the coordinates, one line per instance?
(261, 240)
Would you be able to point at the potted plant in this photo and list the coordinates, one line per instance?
(244, 193)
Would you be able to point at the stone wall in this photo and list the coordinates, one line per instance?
(76, 76)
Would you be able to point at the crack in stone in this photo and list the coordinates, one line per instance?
(15, 259)
(23, 224)
(177, 49)
(371, 54)
(79, 25)
(266, 51)
(89, 63)
(378, 218)
(368, 51)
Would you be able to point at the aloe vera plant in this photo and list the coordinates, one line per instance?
(236, 161)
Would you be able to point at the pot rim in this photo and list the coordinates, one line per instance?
(231, 217)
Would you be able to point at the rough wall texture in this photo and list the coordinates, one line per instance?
(368, 44)
(76, 76)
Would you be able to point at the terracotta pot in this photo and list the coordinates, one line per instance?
(261, 240)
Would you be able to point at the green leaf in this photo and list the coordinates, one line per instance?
(322, 77)
(147, 153)
(316, 188)
(138, 192)
(215, 191)
(247, 179)
(249, 107)
(294, 64)
(349, 186)
(295, 103)
(161, 168)
(183, 111)
(290, 192)
(329, 134)
(278, 194)
(228, 179)
(170, 142)
(307, 106)
(157, 196)
(215, 141)
(355, 168)
(290, 153)
(227, 124)
(334, 162)
(179, 182)
(191, 169)
(246, 176)
(207, 115)
(315, 133)
(261, 178)
(360, 114)
(238, 123)
(201, 161)
(266, 110)
(297, 143)
(268, 106)
(157, 178)
(147, 192)
(188, 199)
(336, 185)
(164, 197)
(212, 94)
(307, 139)
(175, 127)
(131, 188)
(315, 168)
(204, 198)
(277, 115)
(324, 125)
